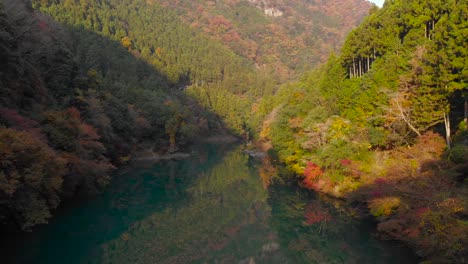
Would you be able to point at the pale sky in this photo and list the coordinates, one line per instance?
(378, 2)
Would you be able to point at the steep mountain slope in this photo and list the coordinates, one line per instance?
(221, 80)
(73, 104)
(286, 36)
(384, 125)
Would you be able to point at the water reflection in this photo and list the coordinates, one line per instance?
(212, 208)
(311, 230)
(225, 220)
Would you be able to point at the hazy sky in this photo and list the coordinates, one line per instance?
(378, 2)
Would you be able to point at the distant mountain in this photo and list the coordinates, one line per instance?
(285, 35)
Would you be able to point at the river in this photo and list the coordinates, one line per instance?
(210, 208)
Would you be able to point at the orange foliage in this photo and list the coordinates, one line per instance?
(219, 24)
(88, 132)
(16, 121)
(312, 173)
(231, 36)
(289, 39)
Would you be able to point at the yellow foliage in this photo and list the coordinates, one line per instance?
(290, 159)
(125, 236)
(349, 184)
(453, 205)
(126, 42)
(124, 159)
(298, 169)
(384, 206)
(339, 128)
(265, 133)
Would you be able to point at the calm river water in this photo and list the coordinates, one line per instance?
(211, 208)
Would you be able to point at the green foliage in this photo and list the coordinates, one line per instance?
(97, 87)
(62, 130)
(401, 73)
(383, 207)
(220, 80)
(177, 51)
(299, 38)
(458, 153)
(394, 80)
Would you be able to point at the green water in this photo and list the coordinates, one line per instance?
(210, 208)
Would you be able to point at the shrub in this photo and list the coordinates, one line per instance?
(312, 173)
(458, 153)
(384, 206)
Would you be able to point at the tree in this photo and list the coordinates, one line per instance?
(31, 176)
(446, 63)
(127, 43)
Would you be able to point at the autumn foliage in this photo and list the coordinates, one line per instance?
(74, 103)
(13, 119)
(42, 161)
(312, 174)
(31, 176)
(314, 213)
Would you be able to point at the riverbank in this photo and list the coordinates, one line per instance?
(212, 208)
(151, 153)
(153, 156)
(416, 196)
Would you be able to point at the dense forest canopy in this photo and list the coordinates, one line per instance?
(89, 101)
(367, 125)
(382, 123)
(220, 80)
(282, 36)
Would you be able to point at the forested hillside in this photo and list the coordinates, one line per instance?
(384, 124)
(90, 82)
(283, 37)
(381, 124)
(220, 80)
(217, 75)
(75, 103)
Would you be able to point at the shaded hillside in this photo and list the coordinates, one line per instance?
(73, 105)
(219, 79)
(285, 36)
